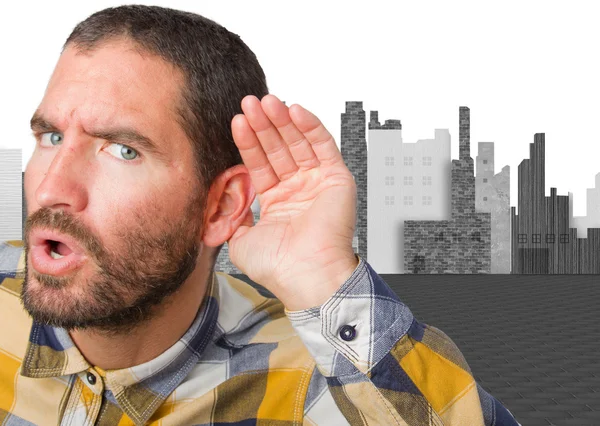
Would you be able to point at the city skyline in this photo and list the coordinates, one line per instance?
(543, 237)
(522, 69)
(420, 170)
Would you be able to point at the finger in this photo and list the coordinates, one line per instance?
(297, 144)
(273, 145)
(259, 167)
(315, 132)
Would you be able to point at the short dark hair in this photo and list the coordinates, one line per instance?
(218, 67)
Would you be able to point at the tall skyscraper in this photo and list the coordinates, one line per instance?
(354, 151)
(542, 240)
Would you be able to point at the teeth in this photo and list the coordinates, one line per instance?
(55, 255)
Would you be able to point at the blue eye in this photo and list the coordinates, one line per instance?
(123, 151)
(53, 137)
(126, 152)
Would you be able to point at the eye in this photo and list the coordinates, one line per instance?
(126, 152)
(54, 138)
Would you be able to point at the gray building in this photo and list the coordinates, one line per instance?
(354, 152)
(592, 217)
(492, 195)
(407, 181)
(542, 240)
(11, 202)
(461, 244)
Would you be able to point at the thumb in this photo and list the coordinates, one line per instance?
(249, 218)
(238, 247)
(244, 227)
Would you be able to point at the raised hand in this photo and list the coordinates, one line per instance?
(301, 247)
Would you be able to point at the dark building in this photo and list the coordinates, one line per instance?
(461, 245)
(542, 241)
(354, 151)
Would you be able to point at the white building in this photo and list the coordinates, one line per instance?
(407, 181)
(592, 218)
(492, 195)
(10, 195)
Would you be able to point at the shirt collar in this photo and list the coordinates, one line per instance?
(141, 389)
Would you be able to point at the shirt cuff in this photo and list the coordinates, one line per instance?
(356, 327)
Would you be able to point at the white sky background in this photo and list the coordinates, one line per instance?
(522, 67)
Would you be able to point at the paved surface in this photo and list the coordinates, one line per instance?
(532, 341)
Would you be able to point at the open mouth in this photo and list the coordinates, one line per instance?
(58, 250)
(55, 254)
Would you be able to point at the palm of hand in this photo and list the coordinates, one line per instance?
(307, 199)
(299, 225)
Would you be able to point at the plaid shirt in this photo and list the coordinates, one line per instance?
(360, 358)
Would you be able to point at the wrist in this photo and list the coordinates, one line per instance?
(315, 288)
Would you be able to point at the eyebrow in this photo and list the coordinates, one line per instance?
(39, 124)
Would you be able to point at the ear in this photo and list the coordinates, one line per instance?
(228, 202)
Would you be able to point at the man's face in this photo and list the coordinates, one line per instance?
(132, 215)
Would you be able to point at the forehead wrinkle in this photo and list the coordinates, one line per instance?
(95, 95)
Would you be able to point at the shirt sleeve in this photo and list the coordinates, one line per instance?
(382, 366)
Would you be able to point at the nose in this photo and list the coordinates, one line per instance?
(63, 185)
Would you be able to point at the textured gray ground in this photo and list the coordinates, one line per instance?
(532, 341)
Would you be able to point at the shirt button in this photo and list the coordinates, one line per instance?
(347, 333)
(91, 378)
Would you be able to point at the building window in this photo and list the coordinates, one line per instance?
(484, 198)
(536, 238)
(389, 200)
(476, 236)
(564, 238)
(439, 236)
(427, 161)
(408, 161)
(484, 180)
(408, 200)
(389, 180)
(426, 200)
(550, 238)
(408, 180)
(484, 161)
(456, 237)
(389, 161)
(522, 238)
(426, 180)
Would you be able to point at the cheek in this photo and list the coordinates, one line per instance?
(130, 213)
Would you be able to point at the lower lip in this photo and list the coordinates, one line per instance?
(46, 264)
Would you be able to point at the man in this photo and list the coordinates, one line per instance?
(136, 182)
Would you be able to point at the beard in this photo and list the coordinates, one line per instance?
(127, 286)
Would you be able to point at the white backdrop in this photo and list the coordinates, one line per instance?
(521, 67)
